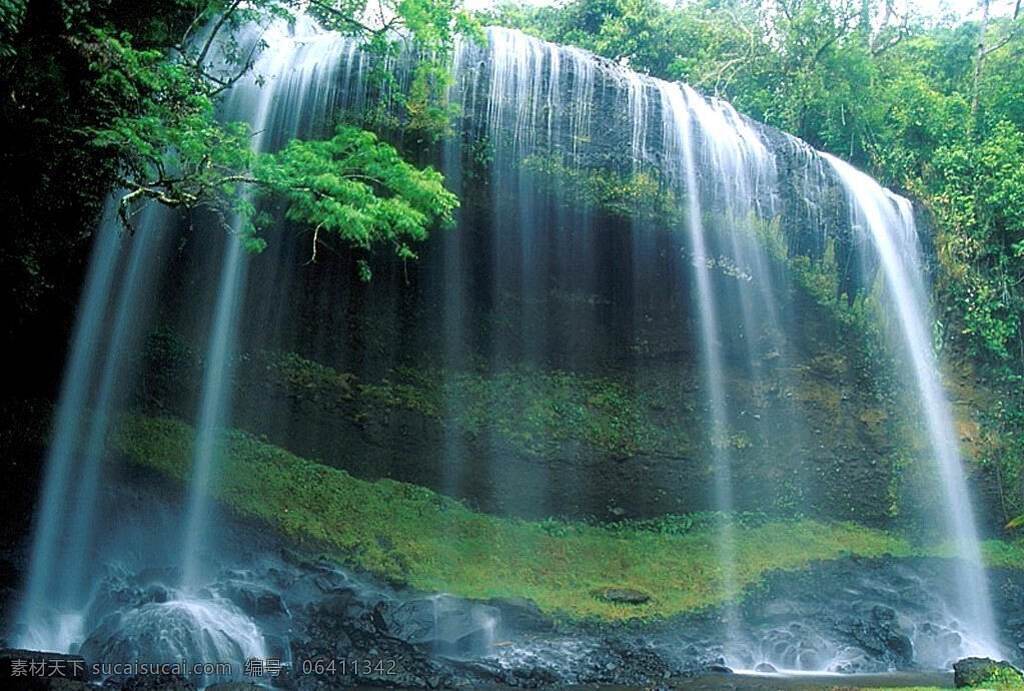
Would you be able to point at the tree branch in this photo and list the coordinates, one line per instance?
(979, 61)
(316, 241)
(213, 33)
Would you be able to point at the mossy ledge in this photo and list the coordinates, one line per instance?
(409, 534)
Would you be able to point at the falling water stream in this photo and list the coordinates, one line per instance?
(45, 629)
(679, 136)
(889, 219)
(533, 104)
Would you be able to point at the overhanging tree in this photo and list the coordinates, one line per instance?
(172, 149)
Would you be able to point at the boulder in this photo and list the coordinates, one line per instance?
(342, 604)
(157, 682)
(450, 624)
(982, 671)
(254, 599)
(196, 630)
(623, 596)
(520, 615)
(877, 631)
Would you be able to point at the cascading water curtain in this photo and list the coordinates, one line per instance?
(536, 122)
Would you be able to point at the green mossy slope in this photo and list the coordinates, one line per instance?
(415, 536)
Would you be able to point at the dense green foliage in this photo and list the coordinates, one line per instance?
(12, 13)
(105, 94)
(931, 106)
(172, 148)
(337, 184)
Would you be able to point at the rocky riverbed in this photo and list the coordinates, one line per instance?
(316, 625)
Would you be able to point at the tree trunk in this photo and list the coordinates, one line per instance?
(979, 61)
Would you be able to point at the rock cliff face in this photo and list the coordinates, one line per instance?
(543, 357)
(527, 98)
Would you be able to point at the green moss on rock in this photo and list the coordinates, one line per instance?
(633, 195)
(412, 535)
(983, 673)
(540, 411)
(536, 411)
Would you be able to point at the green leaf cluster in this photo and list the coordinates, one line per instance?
(156, 120)
(358, 188)
(12, 13)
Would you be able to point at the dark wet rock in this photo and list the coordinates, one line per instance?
(621, 660)
(530, 678)
(879, 634)
(624, 596)
(122, 590)
(343, 603)
(156, 593)
(527, 676)
(520, 615)
(849, 615)
(900, 645)
(346, 641)
(447, 624)
(979, 671)
(862, 616)
(765, 668)
(254, 599)
(152, 682)
(196, 630)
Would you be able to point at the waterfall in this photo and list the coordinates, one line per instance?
(292, 64)
(103, 351)
(538, 276)
(249, 100)
(113, 317)
(889, 221)
(679, 141)
(60, 461)
(213, 414)
(125, 312)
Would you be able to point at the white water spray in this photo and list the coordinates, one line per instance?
(889, 221)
